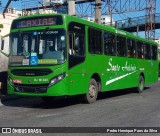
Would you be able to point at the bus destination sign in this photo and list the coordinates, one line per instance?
(37, 21)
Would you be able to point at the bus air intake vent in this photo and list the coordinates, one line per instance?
(31, 72)
(34, 88)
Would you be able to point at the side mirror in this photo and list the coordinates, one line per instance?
(2, 45)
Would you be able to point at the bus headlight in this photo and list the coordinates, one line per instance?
(57, 79)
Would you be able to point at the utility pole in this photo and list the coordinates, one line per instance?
(9, 1)
(150, 19)
(98, 11)
(71, 7)
(109, 3)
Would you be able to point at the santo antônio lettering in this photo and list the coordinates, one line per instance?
(36, 22)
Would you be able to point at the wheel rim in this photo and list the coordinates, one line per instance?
(141, 85)
(92, 91)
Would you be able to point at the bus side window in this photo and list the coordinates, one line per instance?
(140, 50)
(109, 43)
(147, 53)
(95, 41)
(134, 48)
(154, 52)
(121, 46)
(90, 41)
(129, 48)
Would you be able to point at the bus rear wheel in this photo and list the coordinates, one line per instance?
(140, 84)
(92, 94)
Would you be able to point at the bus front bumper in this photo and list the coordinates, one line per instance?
(59, 89)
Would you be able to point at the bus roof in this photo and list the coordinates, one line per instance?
(92, 24)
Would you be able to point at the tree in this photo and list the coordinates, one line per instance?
(1, 26)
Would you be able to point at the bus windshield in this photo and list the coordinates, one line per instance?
(45, 47)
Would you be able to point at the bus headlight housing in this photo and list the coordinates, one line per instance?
(57, 79)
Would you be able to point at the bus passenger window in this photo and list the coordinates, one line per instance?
(131, 48)
(147, 53)
(121, 46)
(109, 43)
(154, 52)
(95, 41)
(140, 50)
(134, 48)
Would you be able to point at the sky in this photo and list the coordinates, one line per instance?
(33, 3)
(19, 4)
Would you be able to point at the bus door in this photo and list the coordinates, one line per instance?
(76, 58)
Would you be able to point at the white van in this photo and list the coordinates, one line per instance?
(4, 52)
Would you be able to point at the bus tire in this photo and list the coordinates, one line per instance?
(4, 88)
(3, 80)
(92, 94)
(140, 87)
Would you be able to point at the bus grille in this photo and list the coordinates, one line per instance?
(31, 72)
(40, 88)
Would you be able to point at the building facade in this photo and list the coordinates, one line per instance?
(105, 20)
(10, 15)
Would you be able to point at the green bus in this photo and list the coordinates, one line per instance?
(60, 55)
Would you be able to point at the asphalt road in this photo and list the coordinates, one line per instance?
(123, 108)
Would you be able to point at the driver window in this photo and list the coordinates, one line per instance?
(76, 45)
(41, 46)
(15, 44)
(25, 43)
(33, 45)
(71, 44)
(79, 45)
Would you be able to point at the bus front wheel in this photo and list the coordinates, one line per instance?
(92, 94)
(140, 84)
